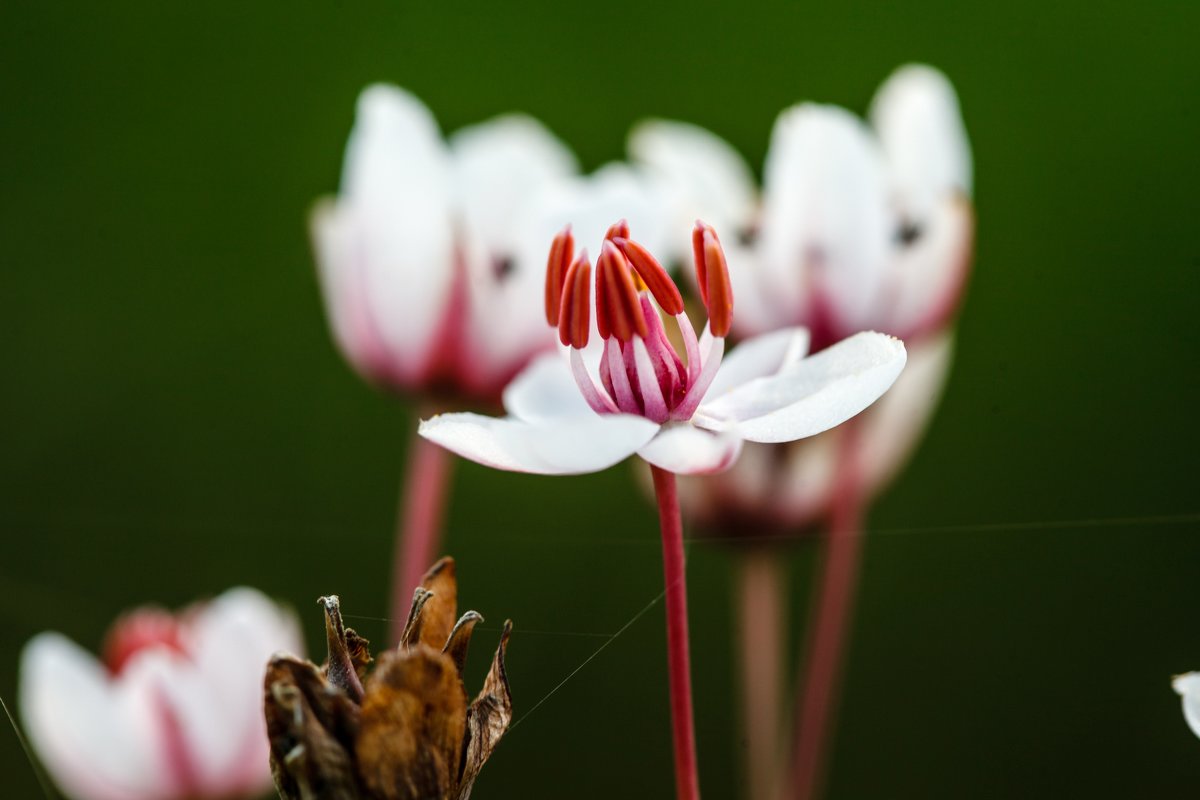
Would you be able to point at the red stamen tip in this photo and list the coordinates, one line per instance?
(665, 292)
(618, 229)
(712, 270)
(618, 312)
(562, 250)
(574, 310)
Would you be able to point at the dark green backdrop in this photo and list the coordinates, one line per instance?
(175, 420)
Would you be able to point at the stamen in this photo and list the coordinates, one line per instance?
(574, 312)
(600, 402)
(690, 347)
(648, 382)
(617, 307)
(562, 250)
(713, 273)
(621, 388)
(695, 393)
(656, 279)
(619, 229)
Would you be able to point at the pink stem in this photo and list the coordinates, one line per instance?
(687, 780)
(418, 534)
(830, 617)
(761, 590)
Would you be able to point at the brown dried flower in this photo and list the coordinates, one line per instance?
(403, 731)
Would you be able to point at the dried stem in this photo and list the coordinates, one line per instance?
(687, 781)
(761, 589)
(423, 495)
(830, 622)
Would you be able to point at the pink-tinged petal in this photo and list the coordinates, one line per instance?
(1188, 688)
(98, 739)
(812, 395)
(931, 273)
(687, 450)
(215, 694)
(396, 197)
(545, 390)
(758, 357)
(703, 177)
(563, 446)
(826, 227)
(893, 426)
(500, 167)
(916, 115)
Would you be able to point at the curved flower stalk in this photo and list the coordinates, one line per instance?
(430, 261)
(170, 712)
(856, 227)
(402, 731)
(624, 388)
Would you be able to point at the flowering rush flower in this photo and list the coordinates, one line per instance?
(856, 227)
(403, 731)
(683, 412)
(172, 710)
(419, 256)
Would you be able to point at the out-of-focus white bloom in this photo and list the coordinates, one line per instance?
(638, 395)
(1187, 686)
(857, 227)
(173, 711)
(420, 258)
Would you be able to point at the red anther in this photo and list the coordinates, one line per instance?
(616, 296)
(562, 250)
(620, 228)
(698, 260)
(718, 291)
(665, 292)
(574, 312)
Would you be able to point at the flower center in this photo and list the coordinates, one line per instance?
(140, 630)
(640, 370)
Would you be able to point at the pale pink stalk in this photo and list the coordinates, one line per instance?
(830, 623)
(760, 593)
(683, 729)
(426, 487)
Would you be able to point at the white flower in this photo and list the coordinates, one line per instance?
(631, 392)
(1187, 686)
(857, 227)
(176, 710)
(420, 257)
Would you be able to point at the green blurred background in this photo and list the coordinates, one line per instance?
(176, 420)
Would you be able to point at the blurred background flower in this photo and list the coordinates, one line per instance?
(172, 394)
(171, 712)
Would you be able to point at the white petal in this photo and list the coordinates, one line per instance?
(562, 446)
(813, 395)
(396, 196)
(687, 450)
(826, 225)
(758, 357)
(893, 426)
(703, 176)
(915, 113)
(1188, 687)
(930, 274)
(499, 165)
(217, 692)
(545, 390)
(97, 739)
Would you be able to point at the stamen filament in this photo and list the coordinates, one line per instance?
(622, 391)
(652, 394)
(600, 402)
(698, 388)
